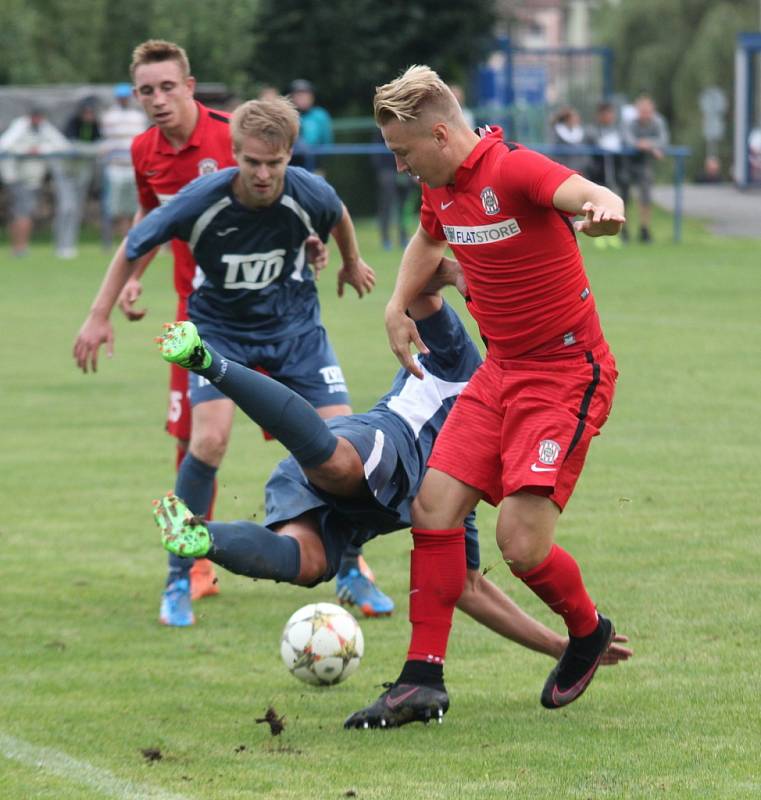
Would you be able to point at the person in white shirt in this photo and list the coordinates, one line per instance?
(119, 125)
(27, 136)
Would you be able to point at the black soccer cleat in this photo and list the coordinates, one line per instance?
(577, 666)
(402, 703)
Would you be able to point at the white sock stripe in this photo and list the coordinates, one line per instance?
(79, 772)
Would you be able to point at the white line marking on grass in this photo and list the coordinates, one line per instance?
(64, 766)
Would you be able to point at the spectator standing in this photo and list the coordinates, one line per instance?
(568, 131)
(120, 124)
(648, 134)
(74, 177)
(316, 123)
(27, 136)
(609, 168)
(394, 189)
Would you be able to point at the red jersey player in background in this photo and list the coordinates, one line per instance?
(186, 140)
(519, 433)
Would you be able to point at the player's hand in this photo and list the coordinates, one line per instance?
(317, 254)
(599, 220)
(356, 274)
(130, 294)
(402, 333)
(448, 273)
(616, 652)
(94, 332)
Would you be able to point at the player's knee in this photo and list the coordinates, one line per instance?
(522, 551)
(313, 565)
(429, 514)
(210, 446)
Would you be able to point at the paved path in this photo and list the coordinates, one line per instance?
(727, 210)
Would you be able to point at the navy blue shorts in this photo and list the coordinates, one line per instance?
(344, 520)
(307, 364)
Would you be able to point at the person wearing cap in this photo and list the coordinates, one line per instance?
(120, 124)
(316, 123)
(28, 135)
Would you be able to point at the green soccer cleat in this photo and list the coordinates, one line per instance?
(182, 533)
(181, 345)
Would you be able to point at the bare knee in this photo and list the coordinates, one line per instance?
(209, 444)
(443, 502)
(525, 530)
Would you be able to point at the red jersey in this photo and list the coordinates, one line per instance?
(161, 171)
(528, 289)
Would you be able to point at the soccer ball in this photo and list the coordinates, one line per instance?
(322, 644)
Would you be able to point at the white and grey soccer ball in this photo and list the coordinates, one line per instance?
(322, 644)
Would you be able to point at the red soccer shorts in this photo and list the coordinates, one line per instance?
(524, 424)
(178, 412)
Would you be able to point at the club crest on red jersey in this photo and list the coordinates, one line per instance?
(549, 450)
(207, 165)
(489, 201)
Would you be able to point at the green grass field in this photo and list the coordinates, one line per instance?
(665, 524)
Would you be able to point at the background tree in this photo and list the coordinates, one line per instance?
(91, 41)
(347, 47)
(674, 51)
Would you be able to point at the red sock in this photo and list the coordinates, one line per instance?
(437, 578)
(557, 581)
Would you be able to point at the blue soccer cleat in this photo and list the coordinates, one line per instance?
(354, 589)
(176, 608)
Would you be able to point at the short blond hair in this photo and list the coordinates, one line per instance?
(276, 121)
(416, 91)
(156, 50)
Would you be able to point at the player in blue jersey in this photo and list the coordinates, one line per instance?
(250, 230)
(347, 481)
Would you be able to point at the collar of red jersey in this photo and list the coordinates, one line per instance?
(490, 136)
(195, 138)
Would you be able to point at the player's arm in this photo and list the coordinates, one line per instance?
(420, 261)
(488, 604)
(97, 329)
(157, 227)
(132, 290)
(603, 210)
(354, 270)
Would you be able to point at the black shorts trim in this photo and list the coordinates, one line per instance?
(585, 402)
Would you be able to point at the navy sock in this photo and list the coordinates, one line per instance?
(278, 409)
(349, 559)
(195, 487)
(246, 548)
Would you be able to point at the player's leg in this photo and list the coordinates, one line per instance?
(525, 534)
(450, 490)
(203, 580)
(212, 420)
(292, 553)
(540, 469)
(437, 578)
(309, 366)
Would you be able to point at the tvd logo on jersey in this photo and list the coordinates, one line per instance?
(253, 271)
(489, 201)
(334, 378)
(207, 165)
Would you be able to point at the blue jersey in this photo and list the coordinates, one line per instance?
(394, 440)
(255, 274)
